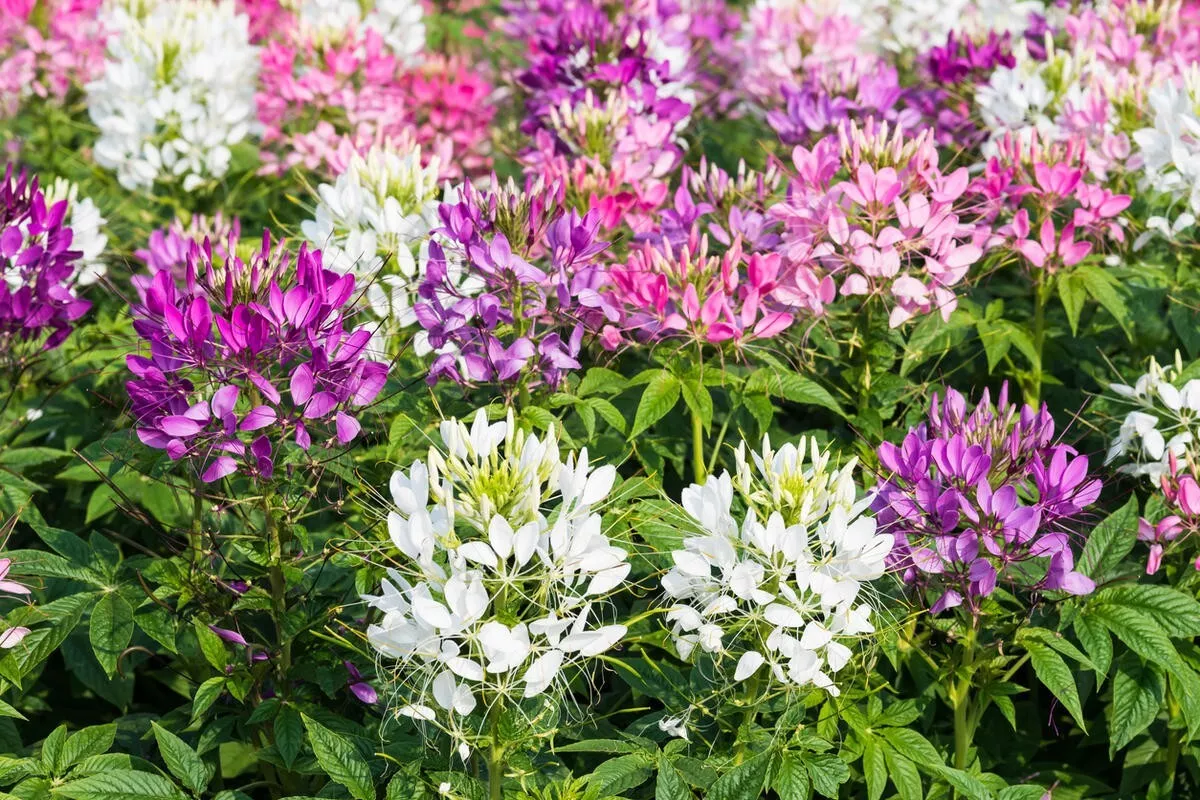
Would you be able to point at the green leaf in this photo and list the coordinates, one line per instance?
(91, 741)
(874, 768)
(827, 772)
(289, 734)
(121, 785)
(790, 781)
(1072, 294)
(110, 630)
(1056, 676)
(660, 396)
(995, 340)
(52, 749)
(1104, 288)
(608, 412)
(792, 387)
(743, 781)
(1138, 690)
(181, 759)
(340, 759)
(211, 645)
(904, 775)
(1110, 542)
(698, 401)
(1177, 613)
(610, 746)
(670, 785)
(617, 775)
(206, 694)
(1097, 642)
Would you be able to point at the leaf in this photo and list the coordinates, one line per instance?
(110, 630)
(698, 401)
(660, 396)
(289, 734)
(181, 759)
(913, 746)
(1056, 676)
(1104, 289)
(619, 774)
(792, 387)
(1097, 642)
(611, 746)
(91, 741)
(211, 645)
(1177, 613)
(608, 412)
(1072, 294)
(1138, 690)
(743, 781)
(121, 785)
(874, 768)
(995, 340)
(904, 776)
(340, 759)
(827, 772)
(206, 694)
(791, 781)
(52, 748)
(670, 785)
(1110, 542)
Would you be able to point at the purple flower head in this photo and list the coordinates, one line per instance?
(970, 494)
(512, 284)
(38, 301)
(241, 357)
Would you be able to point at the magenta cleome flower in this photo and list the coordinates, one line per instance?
(38, 300)
(983, 498)
(243, 357)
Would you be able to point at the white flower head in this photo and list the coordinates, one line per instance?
(177, 92)
(503, 562)
(784, 588)
(1164, 424)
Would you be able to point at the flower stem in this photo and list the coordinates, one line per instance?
(495, 757)
(1174, 741)
(700, 472)
(964, 721)
(278, 580)
(1041, 295)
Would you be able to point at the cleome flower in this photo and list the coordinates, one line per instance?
(40, 267)
(497, 594)
(983, 498)
(243, 355)
(177, 93)
(784, 586)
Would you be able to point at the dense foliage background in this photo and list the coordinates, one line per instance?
(828, 455)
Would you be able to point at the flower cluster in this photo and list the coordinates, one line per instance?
(373, 221)
(242, 356)
(498, 595)
(47, 48)
(784, 586)
(872, 214)
(176, 94)
(39, 266)
(983, 496)
(511, 284)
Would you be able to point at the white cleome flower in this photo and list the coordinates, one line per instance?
(784, 588)
(1170, 149)
(400, 23)
(176, 94)
(1164, 426)
(86, 231)
(504, 566)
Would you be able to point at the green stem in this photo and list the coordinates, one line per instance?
(698, 468)
(964, 721)
(748, 715)
(1174, 740)
(495, 757)
(196, 532)
(1041, 295)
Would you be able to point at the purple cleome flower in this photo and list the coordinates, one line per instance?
(243, 356)
(525, 322)
(37, 267)
(972, 498)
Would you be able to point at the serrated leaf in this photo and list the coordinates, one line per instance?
(904, 775)
(698, 401)
(744, 780)
(206, 694)
(1056, 676)
(659, 397)
(91, 741)
(1138, 690)
(1097, 642)
(874, 767)
(121, 785)
(1177, 613)
(340, 759)
(1110, 542)
(670, 785)
(1072, 294)
(1104, 289)
(110, 630)
(791, 780)
(289, 734)
(181, 759)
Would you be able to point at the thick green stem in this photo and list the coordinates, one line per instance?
(495, 757)
(1041, 295)
(751, 700)
(275, 545)
(699, 469)
(964, 720)
(1174, 740)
